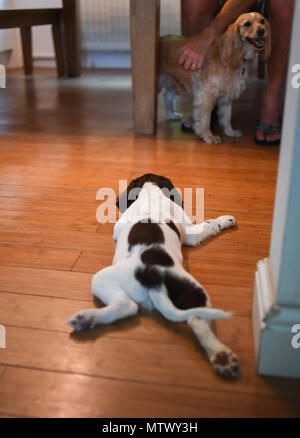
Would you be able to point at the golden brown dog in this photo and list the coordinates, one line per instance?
(223, 76)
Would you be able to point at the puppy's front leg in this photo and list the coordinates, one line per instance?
(224, 114)
(195, 234)
(222, 358)
(202, 110)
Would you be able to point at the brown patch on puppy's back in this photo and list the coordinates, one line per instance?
(145, 233)
(157, 256)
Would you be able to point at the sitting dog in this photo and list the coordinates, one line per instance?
(147, 271)
(223, 76)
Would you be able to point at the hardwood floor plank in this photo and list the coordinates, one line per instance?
(58, 238)
(93, 260)
(45, 282)
(50, 394)
(179, 364)
(46, 258)
(51, 313)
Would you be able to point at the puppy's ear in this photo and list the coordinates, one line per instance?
(232, 52)
(122, 202)
(129, 196)
(265, 55)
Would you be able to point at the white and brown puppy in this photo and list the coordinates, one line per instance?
(223, 76)
(147, 271)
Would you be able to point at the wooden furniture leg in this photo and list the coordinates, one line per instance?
(71, 10)
(58, 40)
(26, 38)
(144, 16)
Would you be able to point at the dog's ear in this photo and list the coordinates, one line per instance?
(128, 197)
(265, 55)
(232, 52)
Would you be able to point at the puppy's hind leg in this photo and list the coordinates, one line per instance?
(118, 305)
(170, 97)
(222, 358)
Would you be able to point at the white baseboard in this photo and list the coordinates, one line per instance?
(272, 327)
(106, 59)
(89, 59)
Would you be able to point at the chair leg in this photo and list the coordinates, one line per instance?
(26, 38)
(144, 55)
(72, 35)
(58, 40)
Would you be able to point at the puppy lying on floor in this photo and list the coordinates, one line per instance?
(223, 76)
(147, 271)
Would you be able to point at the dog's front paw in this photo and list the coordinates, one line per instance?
(83, 320)
(212, 227)
(225, 363)
(226, 221)
(212, 139)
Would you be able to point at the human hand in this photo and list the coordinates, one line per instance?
(194, 52)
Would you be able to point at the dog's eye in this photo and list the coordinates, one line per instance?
(262, 21)
(247, 24)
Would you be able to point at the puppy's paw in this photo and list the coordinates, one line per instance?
(226, 221)
(212, 139)
(212, 227)
(83, 320)
(233, 133)
(225, 363)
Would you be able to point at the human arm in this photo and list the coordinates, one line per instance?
(193, 53)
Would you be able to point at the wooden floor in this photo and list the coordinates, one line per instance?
(61, 141)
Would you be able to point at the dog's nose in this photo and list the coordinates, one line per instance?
(260, 32)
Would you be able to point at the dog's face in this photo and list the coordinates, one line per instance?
(249, 34)
(254, 30)
(127, 198)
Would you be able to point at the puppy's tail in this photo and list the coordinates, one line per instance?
(164, 305)
(209, 313)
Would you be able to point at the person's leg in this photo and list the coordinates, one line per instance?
(196, 14)
(280, 14)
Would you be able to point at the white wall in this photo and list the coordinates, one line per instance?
(105, 26)
(7, 37)
(42, 36)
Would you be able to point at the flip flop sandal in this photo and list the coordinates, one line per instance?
(186, 128)
(267, 128)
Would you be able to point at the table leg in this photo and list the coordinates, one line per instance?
(71, 10)
(26, 38)
(144, 16)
